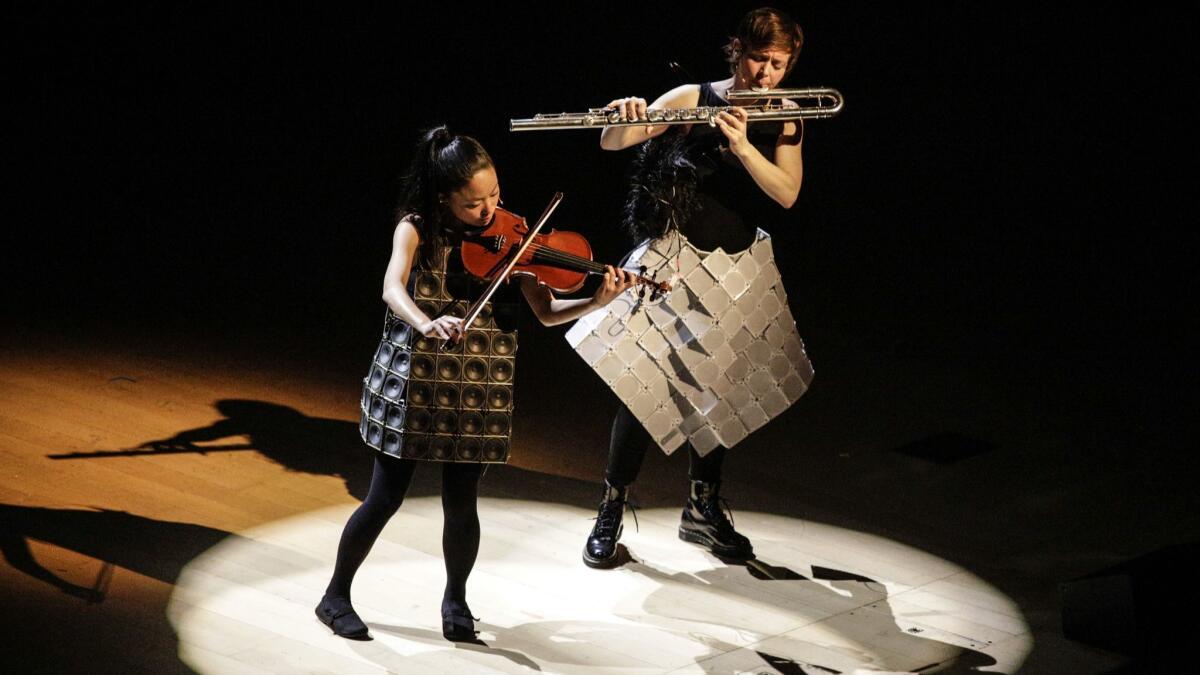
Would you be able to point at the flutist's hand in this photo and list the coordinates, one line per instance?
(733, 125)
(630, 108)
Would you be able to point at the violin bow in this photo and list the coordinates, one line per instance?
(476, 308)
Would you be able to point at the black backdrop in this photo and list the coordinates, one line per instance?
(1008, 182)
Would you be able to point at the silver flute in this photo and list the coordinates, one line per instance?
(760, 105)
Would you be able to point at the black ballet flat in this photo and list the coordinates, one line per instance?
(457, 623)
(339, 615)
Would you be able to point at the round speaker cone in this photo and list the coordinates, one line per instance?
(503, 344)
(400, 332)
(402, 362)
(502, 370)
(499, 398)
(468, 448)
(476, 370)
(419, 420)
(495, 450)
(384, 356)
(458, 309)
(416, 445)
(428, 286)
(496, 424)
(472, 397)
(395, 417)
(447, 396)
(445, 422)
(420, 393)
(392, 386)
(425, 344)
(374, 433)
(422, 367)
(470, 423)
(477, 342)
(442, 447)
(449, 368)
(376, 380)
(377, 409)
(391, 443)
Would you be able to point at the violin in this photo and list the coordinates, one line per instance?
(559, 260)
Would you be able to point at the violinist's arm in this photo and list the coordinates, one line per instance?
(395, 285)
(552, 311)
(619, 138)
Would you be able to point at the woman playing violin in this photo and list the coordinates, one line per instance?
(439, 390)
(701, 191)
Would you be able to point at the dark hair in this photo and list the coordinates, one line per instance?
(765, 28)
(662, 191)
(442, 163)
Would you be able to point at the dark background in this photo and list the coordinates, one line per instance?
(997, 233)
(1010, 184)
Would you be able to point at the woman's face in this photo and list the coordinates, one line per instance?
(474, 204)
(762, 68)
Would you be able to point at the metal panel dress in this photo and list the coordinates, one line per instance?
(719, 357)
(426, 398)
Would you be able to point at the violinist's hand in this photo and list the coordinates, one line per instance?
(630, 107)
(616, 282)
(444, 327)
(733, 124)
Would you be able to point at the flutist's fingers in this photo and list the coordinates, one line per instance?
(630, 107)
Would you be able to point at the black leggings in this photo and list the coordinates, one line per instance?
(389, 485)
(627, 449)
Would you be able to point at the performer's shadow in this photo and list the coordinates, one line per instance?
(864, 617)
(284, 435)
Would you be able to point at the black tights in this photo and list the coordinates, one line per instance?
(389, 485)
(627, 449)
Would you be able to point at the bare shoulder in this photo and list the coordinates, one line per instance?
(683, 96)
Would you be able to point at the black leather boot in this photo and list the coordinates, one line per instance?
(704, 522)
(601, 549)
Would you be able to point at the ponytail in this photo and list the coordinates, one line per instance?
(441, 163)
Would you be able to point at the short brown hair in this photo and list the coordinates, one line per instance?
(765, 28)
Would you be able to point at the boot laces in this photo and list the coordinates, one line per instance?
(610, 515)
(715, 514)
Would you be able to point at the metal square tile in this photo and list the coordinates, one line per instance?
(692, 423)
(770, 305)
(774, 403)
(700, 281)
(610, 331)
(747, 267)
(720, 412)
(628, 351)
(716, 300)
(732, 432)
(775, 335)
(705, 440)
(759, 353)
(609, 368)
(793, 387)
(659, 388)
(753, 417)
(637, 323)
(642, 405)
(592, 349)
(739, 396)
(723, 355)
(739, 370)
(779, 367)
(760, 382)
(698, 323)
(740, 340)
(653, 343)
(686, 261)
(677, 335)
(672, 442)
(627, 386)
(707, 373)
(735, 284)
(713, 339)
(756, 322)
(658, 424)
(718, 263)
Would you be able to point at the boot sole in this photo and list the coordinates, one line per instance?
(697, 538)
(600, 563)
